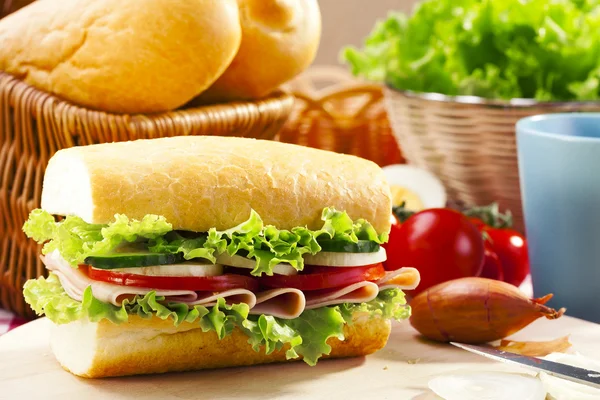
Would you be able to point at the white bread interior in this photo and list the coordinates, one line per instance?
(200, 182)
(77, 198)
(280, 39)
(146, 346)
(134, 56)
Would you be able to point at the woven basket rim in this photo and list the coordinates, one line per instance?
(492, 103)
(278, 96)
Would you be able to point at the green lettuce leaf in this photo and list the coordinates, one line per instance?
(389, 304)
(541, 49)
(315, 327)
(76, 240)
(305, 336)
(266, 331)
(190, 248)
(47, 296)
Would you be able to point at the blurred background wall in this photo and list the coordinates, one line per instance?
(349, 21)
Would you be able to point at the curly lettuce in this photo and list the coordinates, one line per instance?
(306, 335)
(76, 240)
(540, 49)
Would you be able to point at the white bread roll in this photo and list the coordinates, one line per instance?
(200, 182)
(141, 346)
(280, 39)
(134, 56)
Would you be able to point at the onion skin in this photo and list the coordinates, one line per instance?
(475, 311)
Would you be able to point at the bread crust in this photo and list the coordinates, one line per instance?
(134, 56)
(202, 182)
(280, 39)
(143, 346)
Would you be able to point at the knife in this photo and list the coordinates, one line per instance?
(568, 372)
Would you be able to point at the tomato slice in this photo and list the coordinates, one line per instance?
(200, 283)
(317, 277)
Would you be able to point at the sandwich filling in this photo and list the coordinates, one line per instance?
(293, 287)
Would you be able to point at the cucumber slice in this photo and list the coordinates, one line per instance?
(133, 260)
(337, 246)
(186, 269)
(333, 259)
(250, 263)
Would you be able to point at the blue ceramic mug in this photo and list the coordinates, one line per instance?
(559, 168)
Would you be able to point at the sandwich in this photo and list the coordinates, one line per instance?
(189, 253)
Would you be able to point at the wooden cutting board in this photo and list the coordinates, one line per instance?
(401, 370)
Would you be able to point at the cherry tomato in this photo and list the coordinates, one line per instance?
(442, 244)
(391, 247)
(200, 283)
(317, 278)
(479, 224)
(511, 248)
(492, 267)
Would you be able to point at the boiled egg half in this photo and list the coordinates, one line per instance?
(417, 188)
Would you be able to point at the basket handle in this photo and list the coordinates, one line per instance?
(322, 86)
(316, 81)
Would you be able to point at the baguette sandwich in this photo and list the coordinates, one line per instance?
(188, 253)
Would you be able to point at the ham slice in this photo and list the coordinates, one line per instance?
(74, 281)
(403, 278)
(209, 299)
(286, 303)
(282, 303)
(360, 292)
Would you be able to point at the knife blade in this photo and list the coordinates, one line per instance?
(564, 371)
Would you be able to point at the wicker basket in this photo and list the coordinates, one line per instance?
(468, 142)
(334, 111)
(34, 125)
(9, 6)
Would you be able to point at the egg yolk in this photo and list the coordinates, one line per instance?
(403, 195)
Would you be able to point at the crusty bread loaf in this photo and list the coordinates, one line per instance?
(141, 346)
(200, 182)
(280, 39)
(134, 56)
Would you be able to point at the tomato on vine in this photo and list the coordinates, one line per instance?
(442, 244)
(509, 245)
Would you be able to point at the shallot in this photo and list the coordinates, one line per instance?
(476, 310)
